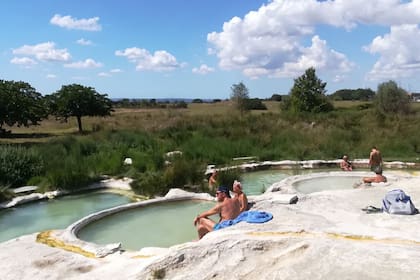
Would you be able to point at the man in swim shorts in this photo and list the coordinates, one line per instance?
(375, 160)
(227, 208)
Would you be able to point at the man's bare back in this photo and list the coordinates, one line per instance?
(375, 157)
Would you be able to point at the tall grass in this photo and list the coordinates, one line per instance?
(145, 136)
(18, 164)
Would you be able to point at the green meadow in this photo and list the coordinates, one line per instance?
(53, 155)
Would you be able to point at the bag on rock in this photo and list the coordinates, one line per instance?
(398, 202)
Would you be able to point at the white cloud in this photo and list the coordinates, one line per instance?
(203, 69)
(116, 70)
(43, 52)
(104, 74)
(272, 40)
(87, 63)
(51, 76)
(84, 42)
(158, 61)
(398, 53)
(90, 24)
(24, 61)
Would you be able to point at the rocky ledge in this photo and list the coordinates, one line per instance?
(325, 235)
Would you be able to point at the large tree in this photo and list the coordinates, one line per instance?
(78, 101)
(391, 99)
(240, 96)
(20, 105)
(308, 95)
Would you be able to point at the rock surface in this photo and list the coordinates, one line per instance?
(325, 235)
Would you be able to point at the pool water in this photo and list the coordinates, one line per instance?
(326, 183)
(160, 225)
(257, 182)
(54, 214)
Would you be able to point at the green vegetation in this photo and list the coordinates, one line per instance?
(353, 94)
(240, 95)
(20, 105)
(308, 95)
(391, 100)
(305, 126)
(78, 101)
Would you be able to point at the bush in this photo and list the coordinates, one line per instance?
(391, 99)
(183, 173)
(18, 165)
(5, 194)
(149, 184)
(228, 176)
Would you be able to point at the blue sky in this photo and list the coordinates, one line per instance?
(200, 48)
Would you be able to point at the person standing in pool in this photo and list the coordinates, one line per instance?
(227, 208)
(375, 160)
(213, 180)
(345, 164)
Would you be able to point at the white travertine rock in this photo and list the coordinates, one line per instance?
(325, 235)
(128, 161)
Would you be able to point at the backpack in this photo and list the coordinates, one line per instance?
(398, 202)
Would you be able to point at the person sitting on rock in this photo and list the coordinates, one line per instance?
(240, 195)
(227, 208)
(378, 178)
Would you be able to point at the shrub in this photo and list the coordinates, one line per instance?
(18, 165)
(181, 173)
(228, 176)
(5, 194)
(391, 99)
(149, 184)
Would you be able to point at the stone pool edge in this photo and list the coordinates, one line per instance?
(69, 235)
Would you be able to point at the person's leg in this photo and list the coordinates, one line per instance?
(204, 226)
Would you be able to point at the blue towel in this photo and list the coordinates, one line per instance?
(247, 216)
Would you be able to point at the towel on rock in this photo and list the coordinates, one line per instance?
(246, 216)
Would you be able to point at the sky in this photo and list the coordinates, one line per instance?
(201, 48)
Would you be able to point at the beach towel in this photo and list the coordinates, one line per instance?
(246, 216)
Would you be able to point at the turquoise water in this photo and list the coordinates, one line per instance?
(159, 225)
(326, 183)
(54, 214)
(254, 183)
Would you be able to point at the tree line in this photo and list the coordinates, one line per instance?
(22, 105)
(308, 96)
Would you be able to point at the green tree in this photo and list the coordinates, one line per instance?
(308, 95)
(20, 105)
(78, 101)
(353, 94)
(240, 96)
(391, 99)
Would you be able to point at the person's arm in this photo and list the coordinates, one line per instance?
(244, 203)
(216, 209)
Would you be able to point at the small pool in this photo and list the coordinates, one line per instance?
(157, 225)
(326, 183)
(54, 214)
(257, 182)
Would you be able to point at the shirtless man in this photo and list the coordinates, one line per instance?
(240, 195)
(227, 208)
(213, 180)
(375, 159)
(345, 165)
